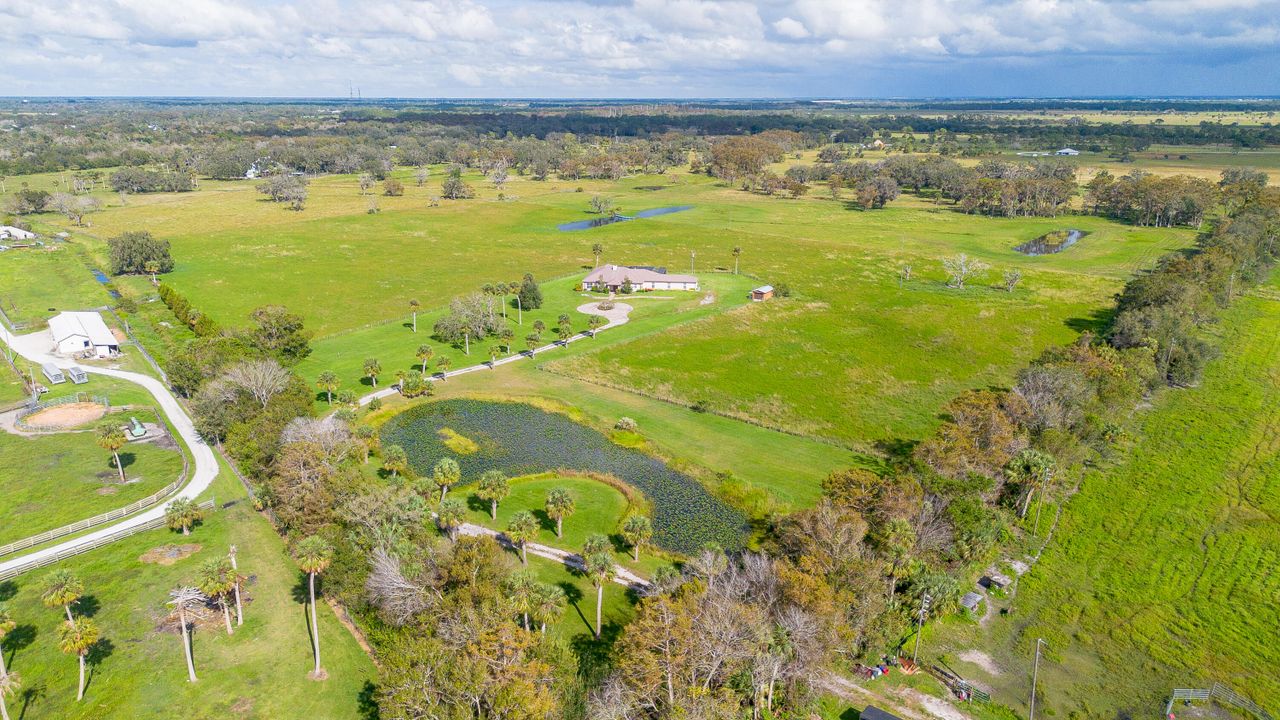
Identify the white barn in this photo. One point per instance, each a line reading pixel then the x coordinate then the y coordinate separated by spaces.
pixel 610 278
pixel 9 232
pixel 82 333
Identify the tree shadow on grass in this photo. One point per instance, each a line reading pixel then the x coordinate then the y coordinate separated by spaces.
pixel 100 651
pixel 301 595
pixel 475 503
pixel 32 694
pixel 595 657
pixel 20 637
pixel 8 589
pixel 1097 321
pixel 87 606
pixel 126 460
pixel 544 521
pixel 368 701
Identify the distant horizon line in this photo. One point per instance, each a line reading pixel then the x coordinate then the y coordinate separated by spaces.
pixel 671 99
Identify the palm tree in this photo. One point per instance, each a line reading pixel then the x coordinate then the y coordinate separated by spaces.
pixel 504 290
pixel 424 354
pixel 520 530
pixel 737 252
pixel 451 516
pixel 466 340
pixel 395 460
pixel 521 587
pixel 238 578
pixel 597 250
pixel 600 568
pixel 413 307
pixel 594 322
pixel 61 589
pixel 494 352
pixel 636 531
pixel 10 684
pixel 444 363
pixel 182 514
pixel 7 624
pixel 111 438
pixel 183 599
pixel 314 555
pixel 506 335
pixel 548 603
pixel 533 340
pixel 559 506
pixel 328 382
pixel 371 369
pixel 445 474
pixel 493 487
pixel 217 580
pixel 78 637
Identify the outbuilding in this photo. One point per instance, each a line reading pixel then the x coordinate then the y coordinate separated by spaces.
pixel 762 293
pixel 1068 152
pixel 874 713
pixel 9 232
pixel 77 375
pixel 82 333
pixel 970 601
pixel 53 373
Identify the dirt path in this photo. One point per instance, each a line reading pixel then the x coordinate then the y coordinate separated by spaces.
pixel 622 576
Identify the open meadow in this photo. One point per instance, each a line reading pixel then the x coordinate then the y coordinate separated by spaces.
pixel 1162 572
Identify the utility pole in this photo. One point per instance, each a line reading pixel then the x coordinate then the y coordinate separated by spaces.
pixel 692 255
pixel 924 608
pixel 1035 673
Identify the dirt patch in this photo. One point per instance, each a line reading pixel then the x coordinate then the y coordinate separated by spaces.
pixel 242 707
pixel 168 554
pixel 982 660
pixel 108 490
pixel 934 706
pixel 66 416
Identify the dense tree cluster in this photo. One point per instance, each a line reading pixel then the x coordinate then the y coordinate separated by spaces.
pixel 136 252
pixel 140 180
pixel 1145 199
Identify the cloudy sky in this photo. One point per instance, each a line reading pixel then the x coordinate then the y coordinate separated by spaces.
pixel 640 48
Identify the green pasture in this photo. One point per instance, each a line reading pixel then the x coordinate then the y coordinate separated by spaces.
pixel 36 283
pixel 137 671
pixel 577 623
pixel 1162 571
pixel 50 480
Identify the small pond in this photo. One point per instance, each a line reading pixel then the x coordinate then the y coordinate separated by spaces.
pixel 611 219
pixel 520 439
pixel 1050 243
pixel 102 278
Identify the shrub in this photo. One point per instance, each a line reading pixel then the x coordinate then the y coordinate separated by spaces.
pixel 626 424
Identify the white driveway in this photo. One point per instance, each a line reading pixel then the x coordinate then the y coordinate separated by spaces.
pixel 36 347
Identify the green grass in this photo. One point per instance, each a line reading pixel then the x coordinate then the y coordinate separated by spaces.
pixel 12 389
pixel 36 283
pixel 1161 574
pixel 599 508
pixel 51 480
pixel 579 618
pixel 261 671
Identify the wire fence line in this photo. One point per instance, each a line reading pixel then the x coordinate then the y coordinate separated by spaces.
pixel 207 505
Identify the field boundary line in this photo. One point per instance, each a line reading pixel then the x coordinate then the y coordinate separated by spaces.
pixel 100 542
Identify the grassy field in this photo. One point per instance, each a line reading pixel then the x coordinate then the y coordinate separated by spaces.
pixel 1162 573
pixel 51 480
pixel 138 670
pixel 36 283
pixel 598 508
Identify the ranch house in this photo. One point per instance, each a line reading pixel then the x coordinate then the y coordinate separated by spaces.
pixel 611 278
pixel 82 333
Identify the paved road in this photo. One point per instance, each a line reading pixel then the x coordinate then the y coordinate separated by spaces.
pixel 617 316
pixel 36 347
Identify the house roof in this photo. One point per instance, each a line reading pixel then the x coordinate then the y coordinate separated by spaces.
pixel 88 325
pixel 764 289
pixel 615 274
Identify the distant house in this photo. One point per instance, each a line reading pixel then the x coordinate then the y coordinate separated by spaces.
pixel 9 232
pixel 1067 151
pixel 82 333
pixel 611 278
pixel 762 293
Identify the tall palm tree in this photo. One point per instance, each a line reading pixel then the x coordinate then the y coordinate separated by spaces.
pixel 548 604
pixel 184 599
pixel 445 474
pixel 216 580
pixel 600 568
pixel 395 460
pixel 520 530
pixel 737 252
pixel 61 589
pixel 450 516
pixel 493 487
pixel 235 573
pixel 413 307
pixel 182 514
pixel 521 589
pixel 329 383
pixel 597 250
pixel 7 624
pixel 506 335
pixel 10 684
pixel 314 554
pixel 111 438
pixel 504 290
pixel 152 267
pixel 560 505
pixel 637 530
pixel 424 354
pixel 371 369
pixel 443 363
pixel 78 637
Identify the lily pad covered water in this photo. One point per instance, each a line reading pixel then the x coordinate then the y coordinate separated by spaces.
pixel 520 439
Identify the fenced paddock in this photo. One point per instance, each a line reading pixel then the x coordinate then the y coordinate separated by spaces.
pixel 1219 693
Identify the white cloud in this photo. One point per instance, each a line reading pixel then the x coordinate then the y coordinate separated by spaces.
pixel 792 28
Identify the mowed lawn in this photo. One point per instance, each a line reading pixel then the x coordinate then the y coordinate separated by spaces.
pixel 1163 572
pixel 37 283
pixel 851 357
pixel 51 480
pixel 138 670
pixel 599 508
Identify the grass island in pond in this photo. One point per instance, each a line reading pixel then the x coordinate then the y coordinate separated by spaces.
pixel 520 439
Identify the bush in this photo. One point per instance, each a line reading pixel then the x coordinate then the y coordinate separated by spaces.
pixel 781 290
pixel 626 424
pixel 374 405
pixel 392 187
pixel 131 251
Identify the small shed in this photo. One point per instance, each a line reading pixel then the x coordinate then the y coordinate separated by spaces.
pixel 762 293
pixel 970 601
pixel 77 375
pixel 9 232
pixel 54 373
pixel 874 713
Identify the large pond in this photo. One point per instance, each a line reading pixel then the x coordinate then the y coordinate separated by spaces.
pixel 611 219
pixel 1050 243
pixel 520 439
